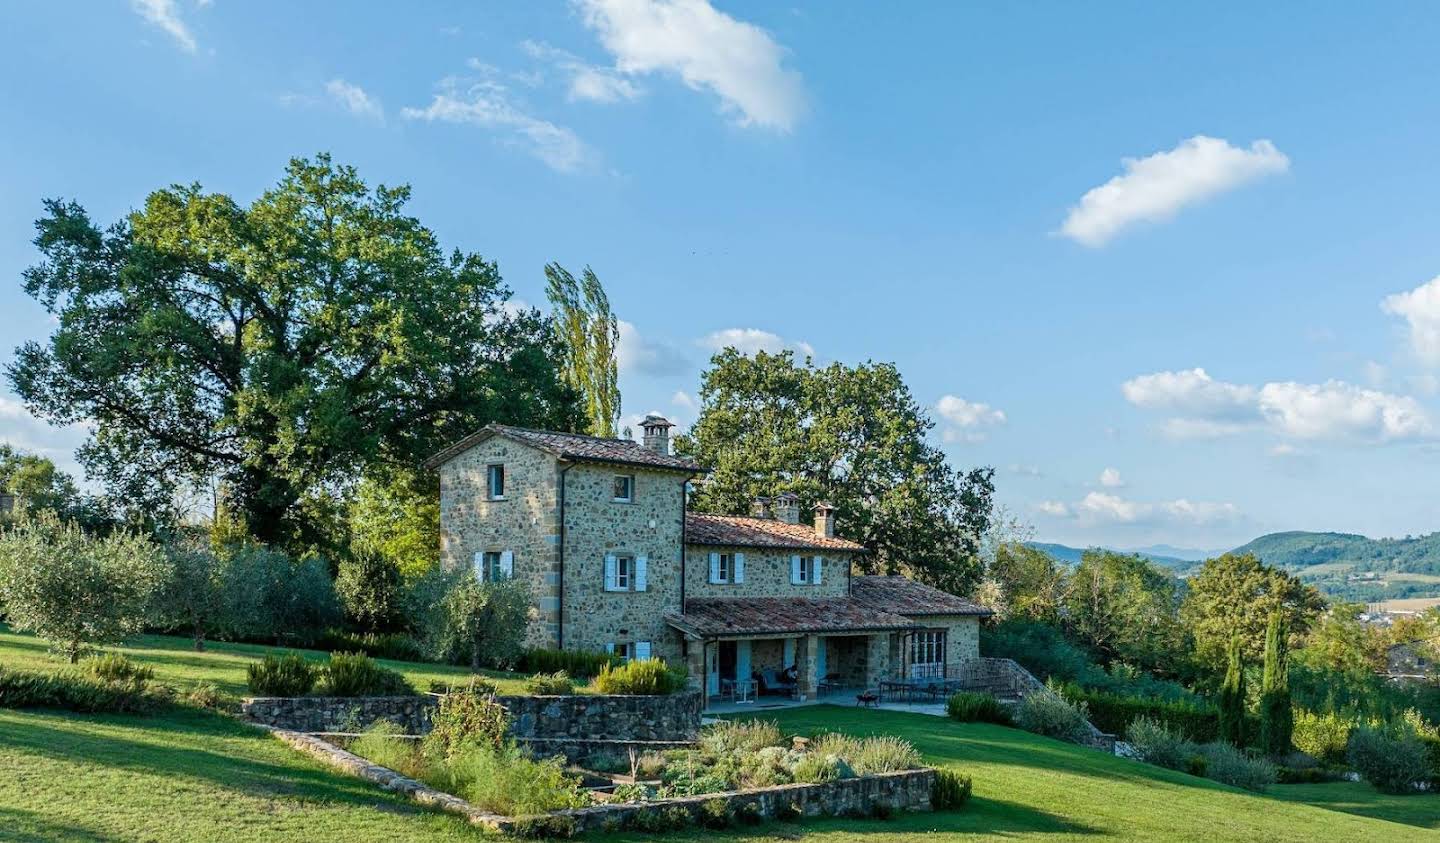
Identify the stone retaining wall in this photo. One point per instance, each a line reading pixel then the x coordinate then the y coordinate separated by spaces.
pixel 574 719
pixel 908 790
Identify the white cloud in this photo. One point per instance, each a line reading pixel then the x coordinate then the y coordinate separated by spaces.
pixel 636 354
pixel 1105 509
pixel 21 430
pixel 1191 393
pixel 588 82
pixel 966 421
pixel 1020 470
pixel 707 49
pixel 1282 450
pixel 1110 478
pixel 1338 410
pixel 683 399
pixel 1205 408
pixel 166 15
pixel 354 99
pixel 1155 188
pixel 1420 308
pixel 486 103
pixel 748 341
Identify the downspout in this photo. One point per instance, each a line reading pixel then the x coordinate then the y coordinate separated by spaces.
pixel 684 506
pixel 560 580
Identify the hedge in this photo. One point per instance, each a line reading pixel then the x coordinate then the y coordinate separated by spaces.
pixel 1113 713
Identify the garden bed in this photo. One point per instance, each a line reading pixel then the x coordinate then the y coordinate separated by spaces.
pixel 872 795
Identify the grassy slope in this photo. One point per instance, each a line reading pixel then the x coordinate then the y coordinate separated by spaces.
pixel 176 662
pixel 191 775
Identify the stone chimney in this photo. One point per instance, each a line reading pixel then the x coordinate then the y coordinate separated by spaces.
pixel 760 508
pixel 787 507
pixel 657 434
pixel 824 520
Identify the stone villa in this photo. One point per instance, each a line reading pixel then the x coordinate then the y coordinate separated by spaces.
pixel 600 531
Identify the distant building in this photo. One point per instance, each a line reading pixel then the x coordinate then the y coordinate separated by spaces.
pixel 1412 661
pixel 8 502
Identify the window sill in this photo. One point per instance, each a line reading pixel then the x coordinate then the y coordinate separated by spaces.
pixel 622 500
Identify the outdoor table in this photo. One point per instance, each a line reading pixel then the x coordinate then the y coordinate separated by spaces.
pixel 741 691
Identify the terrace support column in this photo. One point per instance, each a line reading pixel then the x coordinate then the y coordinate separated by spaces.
pixel 877 659
pixel 807 666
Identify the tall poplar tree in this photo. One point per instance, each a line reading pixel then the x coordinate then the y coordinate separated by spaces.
pixel 590 336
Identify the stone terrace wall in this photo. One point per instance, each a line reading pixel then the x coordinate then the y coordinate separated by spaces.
pixel 579 718
pixel 908 790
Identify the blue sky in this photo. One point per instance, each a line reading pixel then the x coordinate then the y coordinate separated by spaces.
pixel 1168 269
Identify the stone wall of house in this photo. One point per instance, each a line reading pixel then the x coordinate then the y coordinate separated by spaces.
pixel 596 526
pixel 962 638
pixel 579 717
pixel 526 522
pixel 767 574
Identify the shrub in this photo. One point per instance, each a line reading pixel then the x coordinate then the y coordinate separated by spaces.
pixel 117 667
pixel 379 645
pixel 1325 736
pixel 1113 713
pixel 730 736
pixel 581 664
pixel 554 684
pixel 1224 763
pixel 275 597
pixel 207 695
pixel 768 767
pixel 630 793
pixel 971 707
pixel 289 675
pixel 384 743
pixel 814 768
pixel 950 791
pixel 836 744
pixel 1158 744
pixel 884 754
pixel 74 590
pixel 715 813
pixel 465 720
pixel 1429 737
pixel 357 675
pixel 76 691
pixel 474 685
pixel 504 780
pixel 640 677
pixel 194 596
pixel 544 828
pixel 649 765
pixel 1053 716
pixel 1393 760
pixel 607 762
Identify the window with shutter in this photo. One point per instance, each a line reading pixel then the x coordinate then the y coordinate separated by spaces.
pixel 507 563
pixel 739 568
pixel 642 564
pixel 495 482
pixel 815 574
pixel 796 570
pixel 642 649
pixel 714 567
pixel 610 573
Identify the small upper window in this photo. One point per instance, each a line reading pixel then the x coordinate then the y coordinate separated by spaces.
pixel 727 567
pixel 624 488
pixel 495 482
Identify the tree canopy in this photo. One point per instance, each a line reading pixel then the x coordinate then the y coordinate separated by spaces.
pixel 283 348
pixel 852 436
pixel 1234 595
pixel 589 335
pixel 1125 607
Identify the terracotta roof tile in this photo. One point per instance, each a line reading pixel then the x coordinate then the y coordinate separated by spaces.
pixel 773 615
pixel 904 596
pixel 571 446
pixel 739 531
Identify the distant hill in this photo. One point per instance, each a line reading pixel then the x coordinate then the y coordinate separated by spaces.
pixel 1071 555
pixel 1355 567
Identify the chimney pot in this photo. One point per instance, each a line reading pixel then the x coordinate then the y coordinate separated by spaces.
pixel 760 508
pixel 787 507
pixel 824 520
pixel 657 434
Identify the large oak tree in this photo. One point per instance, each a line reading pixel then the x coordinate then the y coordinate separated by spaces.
pixel 284 348
pixel 853 437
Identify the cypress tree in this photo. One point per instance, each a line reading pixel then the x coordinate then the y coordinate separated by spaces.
pixel 1277 720
pixel 1232 696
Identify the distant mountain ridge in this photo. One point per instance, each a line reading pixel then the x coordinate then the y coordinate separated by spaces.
pixel 1346 566
pixel 1071 555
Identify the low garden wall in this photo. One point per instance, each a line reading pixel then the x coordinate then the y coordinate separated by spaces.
pixel 906 790
pixel 555 724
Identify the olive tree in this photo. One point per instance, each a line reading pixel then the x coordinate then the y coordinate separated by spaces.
pixel 75 590
pixel 467 620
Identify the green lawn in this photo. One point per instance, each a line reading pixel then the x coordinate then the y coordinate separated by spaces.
pixel 191 775
pixel 176 662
